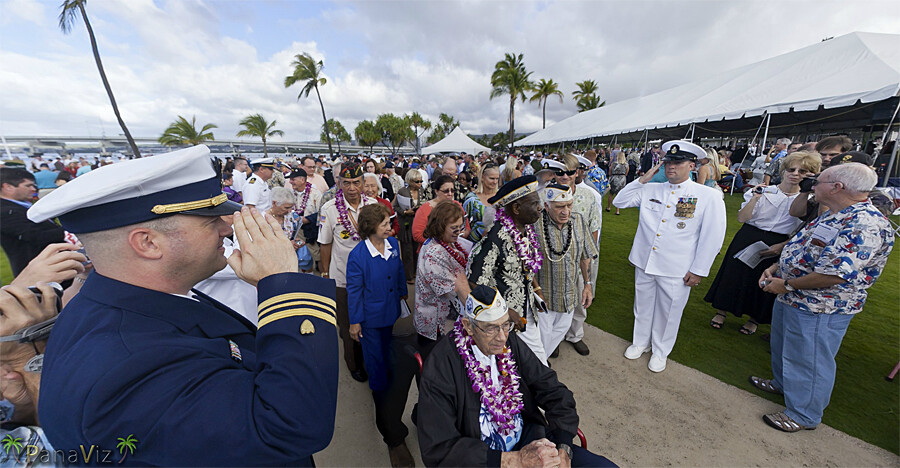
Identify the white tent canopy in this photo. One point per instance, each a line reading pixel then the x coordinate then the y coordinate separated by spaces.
pixel 857 67
pixel 456 142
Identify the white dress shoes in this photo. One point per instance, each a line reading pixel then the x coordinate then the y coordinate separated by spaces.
pixel 657 364
pixel 635 351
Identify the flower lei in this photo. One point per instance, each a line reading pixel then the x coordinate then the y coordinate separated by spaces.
pixel 344 215
pixel 503 404
pixel 527 248
pixel 305 198
pixel 456 251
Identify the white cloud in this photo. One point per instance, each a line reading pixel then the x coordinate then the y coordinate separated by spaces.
pixel 179 58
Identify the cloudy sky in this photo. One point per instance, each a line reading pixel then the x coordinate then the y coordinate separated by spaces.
pixel 222 60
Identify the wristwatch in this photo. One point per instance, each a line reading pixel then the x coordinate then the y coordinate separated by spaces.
pixel 789 287
pixel 565 448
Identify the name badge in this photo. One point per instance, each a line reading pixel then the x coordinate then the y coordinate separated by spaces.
pixel 823 235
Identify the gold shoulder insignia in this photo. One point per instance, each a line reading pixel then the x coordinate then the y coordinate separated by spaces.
pixel 307 328
pixel 251 180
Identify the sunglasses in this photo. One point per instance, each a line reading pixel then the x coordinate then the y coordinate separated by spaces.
pixel 416 181
pixel 447 192
pixel 560 173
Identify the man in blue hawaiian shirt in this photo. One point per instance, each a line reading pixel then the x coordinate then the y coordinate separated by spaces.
pixel 821 281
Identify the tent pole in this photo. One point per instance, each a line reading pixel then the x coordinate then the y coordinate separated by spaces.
pixel 887 130
pixel 766 134
pixel 890 167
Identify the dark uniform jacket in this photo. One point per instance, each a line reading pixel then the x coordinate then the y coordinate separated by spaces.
pixel 194 382
pixel 22 239
pixel 449 430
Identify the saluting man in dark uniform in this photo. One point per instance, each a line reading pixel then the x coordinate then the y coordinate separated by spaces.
pixel 139 355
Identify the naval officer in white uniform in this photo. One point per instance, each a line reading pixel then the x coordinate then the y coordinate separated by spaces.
pixel 256 190
pixel 679 234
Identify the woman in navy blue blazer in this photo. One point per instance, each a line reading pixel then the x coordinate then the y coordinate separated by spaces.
pixel 376 283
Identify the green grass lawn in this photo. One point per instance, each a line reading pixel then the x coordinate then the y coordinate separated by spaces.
pixel 6 275
pixel 863 404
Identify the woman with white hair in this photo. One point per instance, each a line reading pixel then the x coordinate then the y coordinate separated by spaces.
pixel 372 188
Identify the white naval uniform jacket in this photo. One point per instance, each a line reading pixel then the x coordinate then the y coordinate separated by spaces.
pixel 256 192
pixel 665 245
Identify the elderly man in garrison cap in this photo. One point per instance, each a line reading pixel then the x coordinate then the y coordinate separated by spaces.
pixel 480 395
pixel 680 232
pixel 508 256
pixel 568 250
pixel 256 190
pixel 338 235
pixel 139 353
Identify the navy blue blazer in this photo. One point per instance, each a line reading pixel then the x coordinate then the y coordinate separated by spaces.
pixel 194 382
pixel 375 286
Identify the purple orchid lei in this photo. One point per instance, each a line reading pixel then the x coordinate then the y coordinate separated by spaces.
pixel 504 404
pixel 527 248
pixel 305 199
pixel 344 215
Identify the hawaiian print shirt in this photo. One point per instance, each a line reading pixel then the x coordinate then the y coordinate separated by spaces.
pixel 596 177
pixel 494 262
pixel 853 244
pixel 586 205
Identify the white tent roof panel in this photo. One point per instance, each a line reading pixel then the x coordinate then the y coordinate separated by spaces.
pixel 456 142
pixel 836 73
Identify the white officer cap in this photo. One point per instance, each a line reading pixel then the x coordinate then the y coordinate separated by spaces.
pixel 553 164
pixel 680 150
pixel 186 181
pixel 263 162
pixel 583 161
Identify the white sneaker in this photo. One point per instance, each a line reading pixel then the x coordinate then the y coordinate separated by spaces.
pixel 657 364
pixel 635 351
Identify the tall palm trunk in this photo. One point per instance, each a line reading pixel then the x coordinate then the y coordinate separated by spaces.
pixel 265 150
pixel 327 133
pixel 545 114
pixel 112 99
pixel 512 121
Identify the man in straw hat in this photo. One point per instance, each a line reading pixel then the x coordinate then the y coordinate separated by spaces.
pixel 140 354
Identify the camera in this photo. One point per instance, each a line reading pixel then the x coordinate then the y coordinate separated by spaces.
pixel 806 184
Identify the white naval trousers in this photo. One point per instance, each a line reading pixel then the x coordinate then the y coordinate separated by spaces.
pixel 532 337
pixel 553 328
pixel 658 304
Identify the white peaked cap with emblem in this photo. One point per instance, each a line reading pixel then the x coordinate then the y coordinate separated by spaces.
pixel 186 181
pixel 680 150
pixel 583 161
pixel 266 162
pixel 553 164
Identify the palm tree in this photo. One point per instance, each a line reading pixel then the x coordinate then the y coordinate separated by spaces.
pixel 591 101
pixel 542 90
pixel 586 97
pixel 336 130
pixel 70 10
pixel 9 443
pixel 256 126
pixel 446 123
pixel 182 132
pixel 417 121
pixel 128 444
pixel 510 77
pixel 308 70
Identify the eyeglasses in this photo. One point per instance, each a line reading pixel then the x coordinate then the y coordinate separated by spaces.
pixel 830 154
pixel 560 173
pixel 820 181
pixel 416 181
pixel 491 330
pixel 798 170
pixel 456 230
pixel 447 191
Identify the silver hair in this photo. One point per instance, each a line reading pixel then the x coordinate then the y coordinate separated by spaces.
pixel 855 177
pixel 369 175
pixel 282 195
pixel 783 141
pixel 411 174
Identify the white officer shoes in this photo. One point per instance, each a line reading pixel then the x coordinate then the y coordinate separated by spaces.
pixel 657 363
pixel 635 351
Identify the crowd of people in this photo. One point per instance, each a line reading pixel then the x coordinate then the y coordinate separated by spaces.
pixel 501 251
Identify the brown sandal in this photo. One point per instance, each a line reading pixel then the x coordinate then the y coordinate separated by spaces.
pixel 718 325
